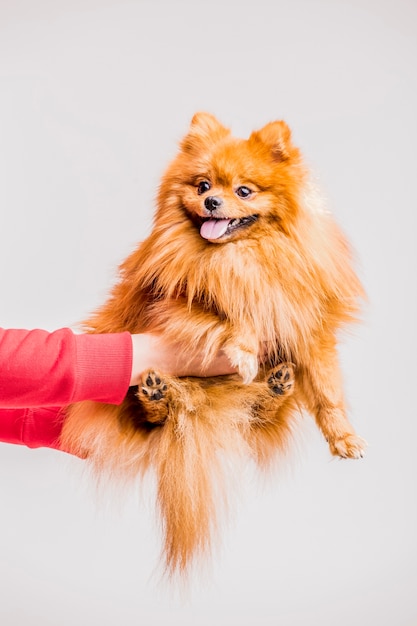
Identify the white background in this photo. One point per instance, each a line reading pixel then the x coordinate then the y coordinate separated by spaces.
pixel 94 96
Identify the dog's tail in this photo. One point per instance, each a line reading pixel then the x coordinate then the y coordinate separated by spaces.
pixel 196 457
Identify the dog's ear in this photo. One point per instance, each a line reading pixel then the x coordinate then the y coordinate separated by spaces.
pixel 277 137
pixel 204 128
pixel 206 123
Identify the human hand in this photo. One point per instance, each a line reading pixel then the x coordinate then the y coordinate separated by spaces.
pixel 153 352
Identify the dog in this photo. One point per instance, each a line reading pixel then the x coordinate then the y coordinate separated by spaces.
pixel 243 257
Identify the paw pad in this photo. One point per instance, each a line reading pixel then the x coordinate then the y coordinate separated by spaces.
pixel 281 380
pixel 153 387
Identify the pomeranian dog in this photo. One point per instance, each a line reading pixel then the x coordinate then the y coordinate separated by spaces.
pixel 244 258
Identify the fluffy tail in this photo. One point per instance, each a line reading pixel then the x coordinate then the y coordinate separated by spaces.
pixel 196 456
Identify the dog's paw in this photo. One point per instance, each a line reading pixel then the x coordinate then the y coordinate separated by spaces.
pixel 281 380
pixel 348 447
pixel 152 387
pixel 248 368
pixel 244 361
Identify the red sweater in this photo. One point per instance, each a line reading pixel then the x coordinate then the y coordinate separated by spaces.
pixel 42 372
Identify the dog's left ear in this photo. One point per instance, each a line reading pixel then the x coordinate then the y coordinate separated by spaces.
pixel 204 128
pixel 277 137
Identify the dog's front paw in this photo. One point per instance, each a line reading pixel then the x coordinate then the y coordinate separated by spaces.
pixel 348 447
pixel 247 368
pixel 244 361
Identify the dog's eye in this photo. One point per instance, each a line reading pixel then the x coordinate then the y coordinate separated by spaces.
pixel 243 192
pixel 203 186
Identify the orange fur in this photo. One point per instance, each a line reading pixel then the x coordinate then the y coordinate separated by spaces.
pixel 281 285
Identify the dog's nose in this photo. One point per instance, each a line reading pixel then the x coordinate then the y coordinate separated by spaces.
pixel 212 203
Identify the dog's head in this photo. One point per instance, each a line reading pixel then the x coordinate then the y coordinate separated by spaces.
pixel 230 188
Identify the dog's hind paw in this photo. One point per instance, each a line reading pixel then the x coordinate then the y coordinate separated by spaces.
pixel 152 393
pixel 152 387
pixel 281 380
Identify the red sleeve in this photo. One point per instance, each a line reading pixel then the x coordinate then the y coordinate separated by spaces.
pixel 34 428
pixel 40 369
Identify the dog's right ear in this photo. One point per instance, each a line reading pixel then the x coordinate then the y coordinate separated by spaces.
pixel 204 128
pixel 277 137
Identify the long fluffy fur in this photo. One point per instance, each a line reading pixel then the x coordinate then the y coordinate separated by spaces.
pixel 280 287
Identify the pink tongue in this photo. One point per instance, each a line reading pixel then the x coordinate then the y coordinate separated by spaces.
pixel 213 229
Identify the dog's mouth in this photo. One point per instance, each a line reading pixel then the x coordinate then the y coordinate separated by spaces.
pixel 214 228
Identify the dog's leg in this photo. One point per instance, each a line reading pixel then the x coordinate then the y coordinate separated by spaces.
pixel 322 385
pixel 163 396
pixel 272 414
